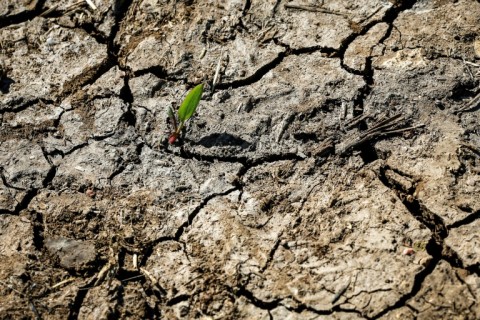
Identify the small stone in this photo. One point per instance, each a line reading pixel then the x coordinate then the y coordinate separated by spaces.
pixel 73 254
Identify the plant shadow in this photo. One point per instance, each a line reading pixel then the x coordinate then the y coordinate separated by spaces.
pixel 222 140
pixel 5 84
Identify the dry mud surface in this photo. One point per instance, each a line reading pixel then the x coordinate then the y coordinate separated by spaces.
pixel 331 171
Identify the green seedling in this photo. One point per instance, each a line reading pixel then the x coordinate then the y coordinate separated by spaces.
pixel 185 112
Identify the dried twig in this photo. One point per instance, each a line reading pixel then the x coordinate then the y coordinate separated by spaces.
pixel 74 6
pixel 381 128
pixel 69 8
pixel 216 77
pixel 102 274
pixel 312 8
pixel 49 10
pixel 91 4
pixel 61 283
pixel 353 122
pixel 153 281
pixel 471 63
pixel 471 148
pixel 470 106
pixel 383 124
pixel 402 130
pixel 472 77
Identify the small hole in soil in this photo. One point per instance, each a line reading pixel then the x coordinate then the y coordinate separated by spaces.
pixel 305 136
pixel 439 105
pixel 368 153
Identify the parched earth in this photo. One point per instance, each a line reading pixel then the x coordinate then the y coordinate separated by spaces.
pixel 331 170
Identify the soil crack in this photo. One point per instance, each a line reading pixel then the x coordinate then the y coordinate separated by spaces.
pixel 23 16
pixel 436 247
pixel 467 220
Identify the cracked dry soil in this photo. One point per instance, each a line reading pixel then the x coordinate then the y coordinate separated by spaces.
pixel 331 172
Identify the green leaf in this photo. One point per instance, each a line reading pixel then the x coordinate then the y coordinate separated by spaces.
pixel 189 105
